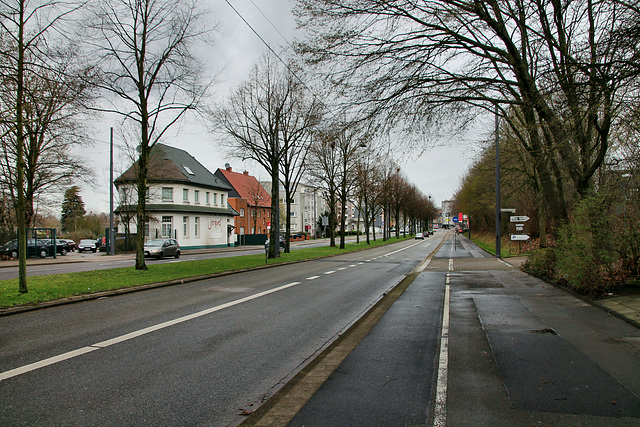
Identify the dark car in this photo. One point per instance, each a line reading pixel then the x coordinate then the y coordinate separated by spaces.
pixel 62 247
pixel 160 248
pixel 72 244
pixel 34 248
pixel 88 245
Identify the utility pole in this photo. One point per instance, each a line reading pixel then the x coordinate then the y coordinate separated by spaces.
pixel 112 237
pixel 498 213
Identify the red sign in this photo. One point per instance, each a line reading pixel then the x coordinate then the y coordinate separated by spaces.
pixel 460 217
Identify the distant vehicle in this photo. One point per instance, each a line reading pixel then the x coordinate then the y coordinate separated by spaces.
pixel 87 245
pixel 34 248
pixel 420 236
pixel 430 232
pixel 72 244
pixel 160 248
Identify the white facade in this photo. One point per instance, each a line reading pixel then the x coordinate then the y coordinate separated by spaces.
pixel 307 206
pixel 197 217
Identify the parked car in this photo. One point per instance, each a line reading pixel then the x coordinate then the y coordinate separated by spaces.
pixel 72 245
pixel 160 248
pixel 62 247
pixel 34 248
pixel 87 245
pixel 430 232
pixel 420 236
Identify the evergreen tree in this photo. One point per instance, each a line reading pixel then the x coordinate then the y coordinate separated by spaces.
pixel 72 209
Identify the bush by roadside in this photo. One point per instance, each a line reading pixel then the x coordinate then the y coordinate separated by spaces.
pixel 592 255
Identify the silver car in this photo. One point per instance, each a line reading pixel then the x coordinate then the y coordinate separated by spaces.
pixel 160 248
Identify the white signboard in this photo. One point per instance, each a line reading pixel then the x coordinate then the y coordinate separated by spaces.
pixel 519 218
pixel 520 237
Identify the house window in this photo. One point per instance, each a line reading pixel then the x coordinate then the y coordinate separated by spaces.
pixel 222 199
pixel 241 212
pixel 215 199
pixel 147 196
pixel 196 222
pixel 258 213
pixel 167 194
pixel 185 226
pixel 207 197
pixel 167 226
pixel 146 229
pixel 196 196
pixel 185 195
pixel 293 214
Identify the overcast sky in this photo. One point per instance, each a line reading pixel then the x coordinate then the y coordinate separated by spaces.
pixel 436 172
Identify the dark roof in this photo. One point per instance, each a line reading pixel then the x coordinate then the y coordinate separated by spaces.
pixel 173 165
pixel 180 208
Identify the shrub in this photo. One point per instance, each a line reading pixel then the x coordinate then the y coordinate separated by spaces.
pixel 587 248
pixel 541 263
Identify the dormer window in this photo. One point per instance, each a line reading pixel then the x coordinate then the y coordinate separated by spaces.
pixel 189 171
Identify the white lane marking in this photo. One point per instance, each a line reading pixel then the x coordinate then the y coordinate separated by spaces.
pixel 135 334
pixel 329 272
pixel 400 250
pixel 440 407
pixel 352 265
pixel 312 277
pixel 450 264
pixel 342 268
pixel 360 263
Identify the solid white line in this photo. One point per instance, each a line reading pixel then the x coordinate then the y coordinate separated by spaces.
pixel 312 277
pixel 440 406
pixel 135 334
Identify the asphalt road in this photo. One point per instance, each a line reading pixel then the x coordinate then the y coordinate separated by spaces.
pixel 471 341
pixel 197 354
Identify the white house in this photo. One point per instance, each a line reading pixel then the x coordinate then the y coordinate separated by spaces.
pixel 184 201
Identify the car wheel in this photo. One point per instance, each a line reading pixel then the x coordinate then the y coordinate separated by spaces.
pixel 177 254
pixel 63 252
pixel 93 250
pixel 14 254
pixel 43 253
pixel 160 255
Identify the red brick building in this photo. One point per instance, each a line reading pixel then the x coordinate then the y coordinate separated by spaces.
pixel 249 199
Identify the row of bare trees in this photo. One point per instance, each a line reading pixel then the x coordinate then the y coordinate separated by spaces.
pixel 276 120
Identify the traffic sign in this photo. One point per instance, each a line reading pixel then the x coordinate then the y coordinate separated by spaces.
pixel 510 210
pixel 519 237
pixel 454 219
pixel 522 218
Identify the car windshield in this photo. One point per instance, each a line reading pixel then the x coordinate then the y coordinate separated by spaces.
pixel 156 242
pixel 87 242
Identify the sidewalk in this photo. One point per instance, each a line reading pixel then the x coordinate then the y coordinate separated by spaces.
pixel 626 307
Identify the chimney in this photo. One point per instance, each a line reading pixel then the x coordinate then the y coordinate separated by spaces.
pixel 246 173
pixel 227 166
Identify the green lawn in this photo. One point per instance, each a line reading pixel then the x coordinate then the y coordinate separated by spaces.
pixel 56 286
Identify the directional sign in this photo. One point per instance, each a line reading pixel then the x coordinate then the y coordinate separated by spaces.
pixel 508 210
pixel 519 218
pixel 519 237
pixel 519 227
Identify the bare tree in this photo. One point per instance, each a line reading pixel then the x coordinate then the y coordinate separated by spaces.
pixel 28 38
pixel 300 118
pixel 145 49
pixel 566 67
pixel 324 171
pixel 265 121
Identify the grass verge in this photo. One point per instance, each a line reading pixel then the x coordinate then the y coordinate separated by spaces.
pixel 58 286
pixel 508 248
